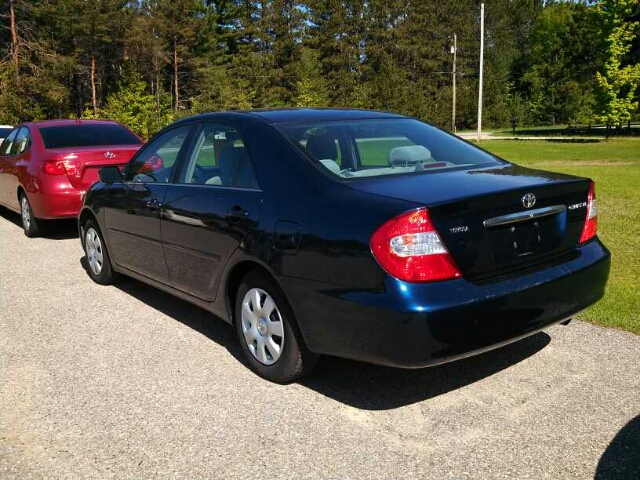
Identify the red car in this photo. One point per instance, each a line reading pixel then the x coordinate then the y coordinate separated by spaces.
pixel 46 167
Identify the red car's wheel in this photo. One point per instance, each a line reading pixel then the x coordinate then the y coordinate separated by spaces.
pixel 30 224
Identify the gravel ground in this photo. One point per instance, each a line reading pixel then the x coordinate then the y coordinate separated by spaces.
pixel 128 382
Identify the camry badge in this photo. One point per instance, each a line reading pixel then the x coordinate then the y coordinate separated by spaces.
pixel 109 154
pixel 528 200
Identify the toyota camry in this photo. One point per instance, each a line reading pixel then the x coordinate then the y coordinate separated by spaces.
pixel 359 234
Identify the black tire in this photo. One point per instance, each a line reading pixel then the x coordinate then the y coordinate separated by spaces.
pixel 295 360
pixel 105 275
pixel 31 225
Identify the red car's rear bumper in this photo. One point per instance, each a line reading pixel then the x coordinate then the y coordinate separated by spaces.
pixel 56 201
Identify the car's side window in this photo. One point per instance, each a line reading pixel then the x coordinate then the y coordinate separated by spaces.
pixel 5 148
pixel 156 161
pixel 21 142
pixel 219 157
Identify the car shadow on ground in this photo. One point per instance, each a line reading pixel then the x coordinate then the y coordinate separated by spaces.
pixel 52 229
pixel 359 385
pixel 621 459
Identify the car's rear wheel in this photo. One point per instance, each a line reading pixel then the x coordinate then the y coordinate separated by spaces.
pixel 268 332
pixel 31 226
pixel 98 262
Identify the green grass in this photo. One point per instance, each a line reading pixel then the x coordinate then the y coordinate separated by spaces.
pixel 615 167
pixel 374 151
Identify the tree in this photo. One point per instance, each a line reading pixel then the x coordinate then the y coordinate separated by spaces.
pixel 618 80
pixel 557 67
pixel 134 106
pixel 176 22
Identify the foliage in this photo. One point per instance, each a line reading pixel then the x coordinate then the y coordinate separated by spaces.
pixel 135 107
pixel 203 55
pixel 618 81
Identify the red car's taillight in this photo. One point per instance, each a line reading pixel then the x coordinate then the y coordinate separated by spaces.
pixel 591 221
pixel 55 167
pixel 409 248
pixel 62 167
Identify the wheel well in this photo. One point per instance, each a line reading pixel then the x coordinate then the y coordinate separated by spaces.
pixel 86 215
pixel 233 282
pixel 20 191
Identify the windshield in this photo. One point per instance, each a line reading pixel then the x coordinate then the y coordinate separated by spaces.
pixel 87 135
pixel 371 148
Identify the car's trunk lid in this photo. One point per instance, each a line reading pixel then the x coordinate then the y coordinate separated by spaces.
pixel 488 218
pixel 83 164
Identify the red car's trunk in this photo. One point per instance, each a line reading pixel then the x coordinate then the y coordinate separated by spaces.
pixel 82 164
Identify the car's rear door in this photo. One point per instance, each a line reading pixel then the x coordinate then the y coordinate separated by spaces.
pixel 132 214
pixel 209 209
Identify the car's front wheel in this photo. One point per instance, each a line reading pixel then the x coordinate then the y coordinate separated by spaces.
pixel 268 333
pixel 30 224
pixel 98 261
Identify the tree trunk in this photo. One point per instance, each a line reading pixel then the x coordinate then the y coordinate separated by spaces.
pixel 94 97
pixel 14 38
pixel 175 75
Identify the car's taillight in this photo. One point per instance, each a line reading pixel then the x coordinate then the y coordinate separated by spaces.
pixel 591 221
pixel 62 167
pixel 55 167
pixel 409 248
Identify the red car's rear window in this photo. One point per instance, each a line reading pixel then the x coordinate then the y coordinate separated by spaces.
pixel 65 136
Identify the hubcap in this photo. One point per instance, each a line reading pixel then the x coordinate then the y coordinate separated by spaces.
pixel 93 247
pixel 262 326
pixel 26 213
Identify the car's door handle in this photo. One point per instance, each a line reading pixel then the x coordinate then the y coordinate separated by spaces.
pixel 237 213
pixel 154 204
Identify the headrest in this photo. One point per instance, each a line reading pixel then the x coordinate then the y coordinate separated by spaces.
pixel 228 163
pixel 322 147
pixel 409 155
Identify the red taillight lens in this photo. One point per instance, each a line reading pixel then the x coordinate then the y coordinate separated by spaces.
pixel 54 168
pixel 409 248
pixel 591 221
pixel 62 167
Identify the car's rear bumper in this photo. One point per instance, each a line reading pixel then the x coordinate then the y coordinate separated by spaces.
pixel 57 204
pixel 415 325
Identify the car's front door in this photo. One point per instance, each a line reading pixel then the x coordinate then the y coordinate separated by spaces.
pixel 17 167
pixel 135 206
pixel 210 208
pixel 6 165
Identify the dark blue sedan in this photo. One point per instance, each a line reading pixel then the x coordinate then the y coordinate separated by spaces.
pixel 359 234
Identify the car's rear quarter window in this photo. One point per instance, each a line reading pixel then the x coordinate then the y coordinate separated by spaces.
pixel 65 136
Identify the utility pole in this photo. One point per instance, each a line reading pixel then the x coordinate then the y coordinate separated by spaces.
pixel 454 50
pixel 481 68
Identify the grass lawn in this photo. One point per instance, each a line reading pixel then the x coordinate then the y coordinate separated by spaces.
pixel 615 167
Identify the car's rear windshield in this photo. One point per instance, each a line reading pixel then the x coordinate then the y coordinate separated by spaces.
pixel 376 147
pixel 64 136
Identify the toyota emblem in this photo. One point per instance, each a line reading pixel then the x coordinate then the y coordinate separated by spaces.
pixel 528 200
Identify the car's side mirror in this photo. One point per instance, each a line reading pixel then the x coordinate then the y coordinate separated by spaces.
pixel 110 175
